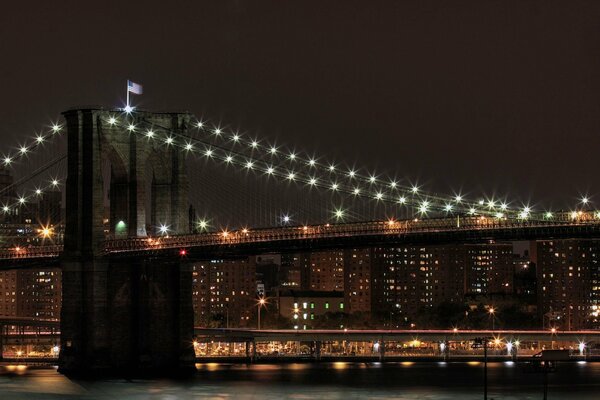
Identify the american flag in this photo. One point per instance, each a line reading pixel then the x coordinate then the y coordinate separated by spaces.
pixel 134 88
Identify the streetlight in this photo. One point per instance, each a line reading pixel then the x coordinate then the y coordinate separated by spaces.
pixel 261 302
pixel 492 311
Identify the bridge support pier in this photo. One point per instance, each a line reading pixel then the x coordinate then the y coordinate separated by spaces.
pixel 127 317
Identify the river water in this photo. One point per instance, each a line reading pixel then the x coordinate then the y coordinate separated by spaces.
pixel 407 380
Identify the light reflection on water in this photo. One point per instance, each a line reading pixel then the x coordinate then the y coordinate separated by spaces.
pixel 347 380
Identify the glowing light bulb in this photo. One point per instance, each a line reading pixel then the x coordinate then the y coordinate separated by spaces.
pixel 402 200
pixel 448 207
pixel 202 224
pixel 372 179
pixel 199 124
pixel 481 202
pixel 415 189
pixel 56 128
pixel 379 196
pixel 218 132
pixel 270 170
pixel 23 150
pixel 286 218
pixel 39 139
pixel 291 176
pixel 22 200
pixel 311 162
pixel 228 159
pixel 169 140
pixel 254 144
pixel 351 174
pixel 312 181
pixel 472 211
pixel 332 168
pixel 38 191
pixel 128 109
pixel 491 204
pixel 585 200
pixel 189 146
pixel 292 156
pixel 393 184
pixel 236 138
pixel 150 134
pixel 548 215
pixel 334 186
pixel 339 214
pixel 131 128
pixel 356 191
pixel 249 165
pixel 458 198
pixel 209 153
pixel 112 120
pixel 55 182
pixel 163 229
pixel 273 150
pixel 503 206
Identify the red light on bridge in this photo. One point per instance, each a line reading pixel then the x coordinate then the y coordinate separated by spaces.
pixel 183 252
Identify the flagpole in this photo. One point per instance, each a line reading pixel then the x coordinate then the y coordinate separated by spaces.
pixel 127 84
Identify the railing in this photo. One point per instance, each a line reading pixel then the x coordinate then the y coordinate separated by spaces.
pixel 28 252
pixel 403 227
pixel 325 231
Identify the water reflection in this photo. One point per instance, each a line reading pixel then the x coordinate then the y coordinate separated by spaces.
pixel 413 380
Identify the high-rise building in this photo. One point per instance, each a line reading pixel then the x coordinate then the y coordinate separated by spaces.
pixel 568 276
pixel 224 292
pixel 294 270
pixel 326 272
pixel 489 268
pixel 357 280
pixel 8 293
pixel 406 279
pixel 409 279
pixel 31 293
pixel 39 293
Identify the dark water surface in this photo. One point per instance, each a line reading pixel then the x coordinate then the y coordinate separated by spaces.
pixel 317 381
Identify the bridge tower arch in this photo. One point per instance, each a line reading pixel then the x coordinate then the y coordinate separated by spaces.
pixel 123 314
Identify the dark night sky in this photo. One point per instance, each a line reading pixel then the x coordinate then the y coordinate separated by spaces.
pixel 488 96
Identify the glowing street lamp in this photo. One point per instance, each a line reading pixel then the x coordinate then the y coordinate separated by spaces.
pixel 492 312
pixel 260 304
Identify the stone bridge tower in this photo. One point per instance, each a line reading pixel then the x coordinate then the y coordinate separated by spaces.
pixel 123 314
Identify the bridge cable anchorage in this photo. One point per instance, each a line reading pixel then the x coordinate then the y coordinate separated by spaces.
pixel 419 201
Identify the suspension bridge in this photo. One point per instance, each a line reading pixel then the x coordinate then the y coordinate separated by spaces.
pixel 146 194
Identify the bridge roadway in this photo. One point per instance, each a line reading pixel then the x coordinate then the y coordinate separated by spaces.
pixel 457 229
